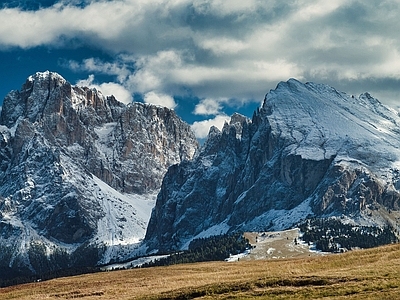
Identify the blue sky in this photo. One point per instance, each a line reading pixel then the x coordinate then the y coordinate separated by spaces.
pixel 204 58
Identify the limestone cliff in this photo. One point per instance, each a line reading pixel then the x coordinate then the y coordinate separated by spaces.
pixel 79 172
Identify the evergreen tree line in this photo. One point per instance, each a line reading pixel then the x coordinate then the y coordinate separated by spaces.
pixel 331 235
pixel 57 264
pixel 214 248
pixel 15 277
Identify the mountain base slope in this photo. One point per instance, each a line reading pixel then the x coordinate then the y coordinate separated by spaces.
pixel 372 273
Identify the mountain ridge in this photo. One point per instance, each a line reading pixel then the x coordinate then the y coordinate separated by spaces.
pixel 310 150
pixel 79 173
pixel 84 178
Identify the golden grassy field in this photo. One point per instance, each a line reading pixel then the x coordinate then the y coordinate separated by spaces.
pixel 362 274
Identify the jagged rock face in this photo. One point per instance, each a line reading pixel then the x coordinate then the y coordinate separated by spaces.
pixel 73 165
pixel 128 147
pixel 308 151
pixel 146 140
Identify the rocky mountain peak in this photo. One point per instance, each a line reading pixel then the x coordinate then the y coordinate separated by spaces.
pixel 310 150
pixel 237 122
pixel 79 172
pixel 33 98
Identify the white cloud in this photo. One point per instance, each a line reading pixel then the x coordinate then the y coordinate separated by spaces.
pixel 202 128
pixel 86 82
pixel 207 107
pixel 221 45
pixel 111 88
pixel 316 9
pixel 116 68
pixel 31 28
pixel 159 99
pixel 154 71
pixel 221 49
pixel 108 89
pixel 168 71
pixel 225 8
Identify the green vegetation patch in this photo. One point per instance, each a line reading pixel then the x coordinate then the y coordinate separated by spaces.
pixel 331 235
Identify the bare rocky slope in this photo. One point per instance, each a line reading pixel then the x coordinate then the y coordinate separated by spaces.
pixel 309 151
pixel 79 173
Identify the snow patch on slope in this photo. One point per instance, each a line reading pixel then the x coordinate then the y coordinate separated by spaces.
pixel 277 219
pixel 125 221
pixel 218 229
pixel 315 115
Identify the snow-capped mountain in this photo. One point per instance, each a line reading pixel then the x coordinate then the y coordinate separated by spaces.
pixel 79 173
pixel 310 150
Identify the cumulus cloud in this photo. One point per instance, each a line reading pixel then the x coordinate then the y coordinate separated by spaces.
pixel 116 68
pixel 159 99
pixel 154 72
pixel 223 49
pixel 31 28
pixel 208 107
pixel 201 128
pixel 108 89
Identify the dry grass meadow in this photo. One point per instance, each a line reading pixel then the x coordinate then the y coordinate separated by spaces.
pixel 361 274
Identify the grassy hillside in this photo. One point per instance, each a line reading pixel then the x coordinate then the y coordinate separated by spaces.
pixel 362 274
